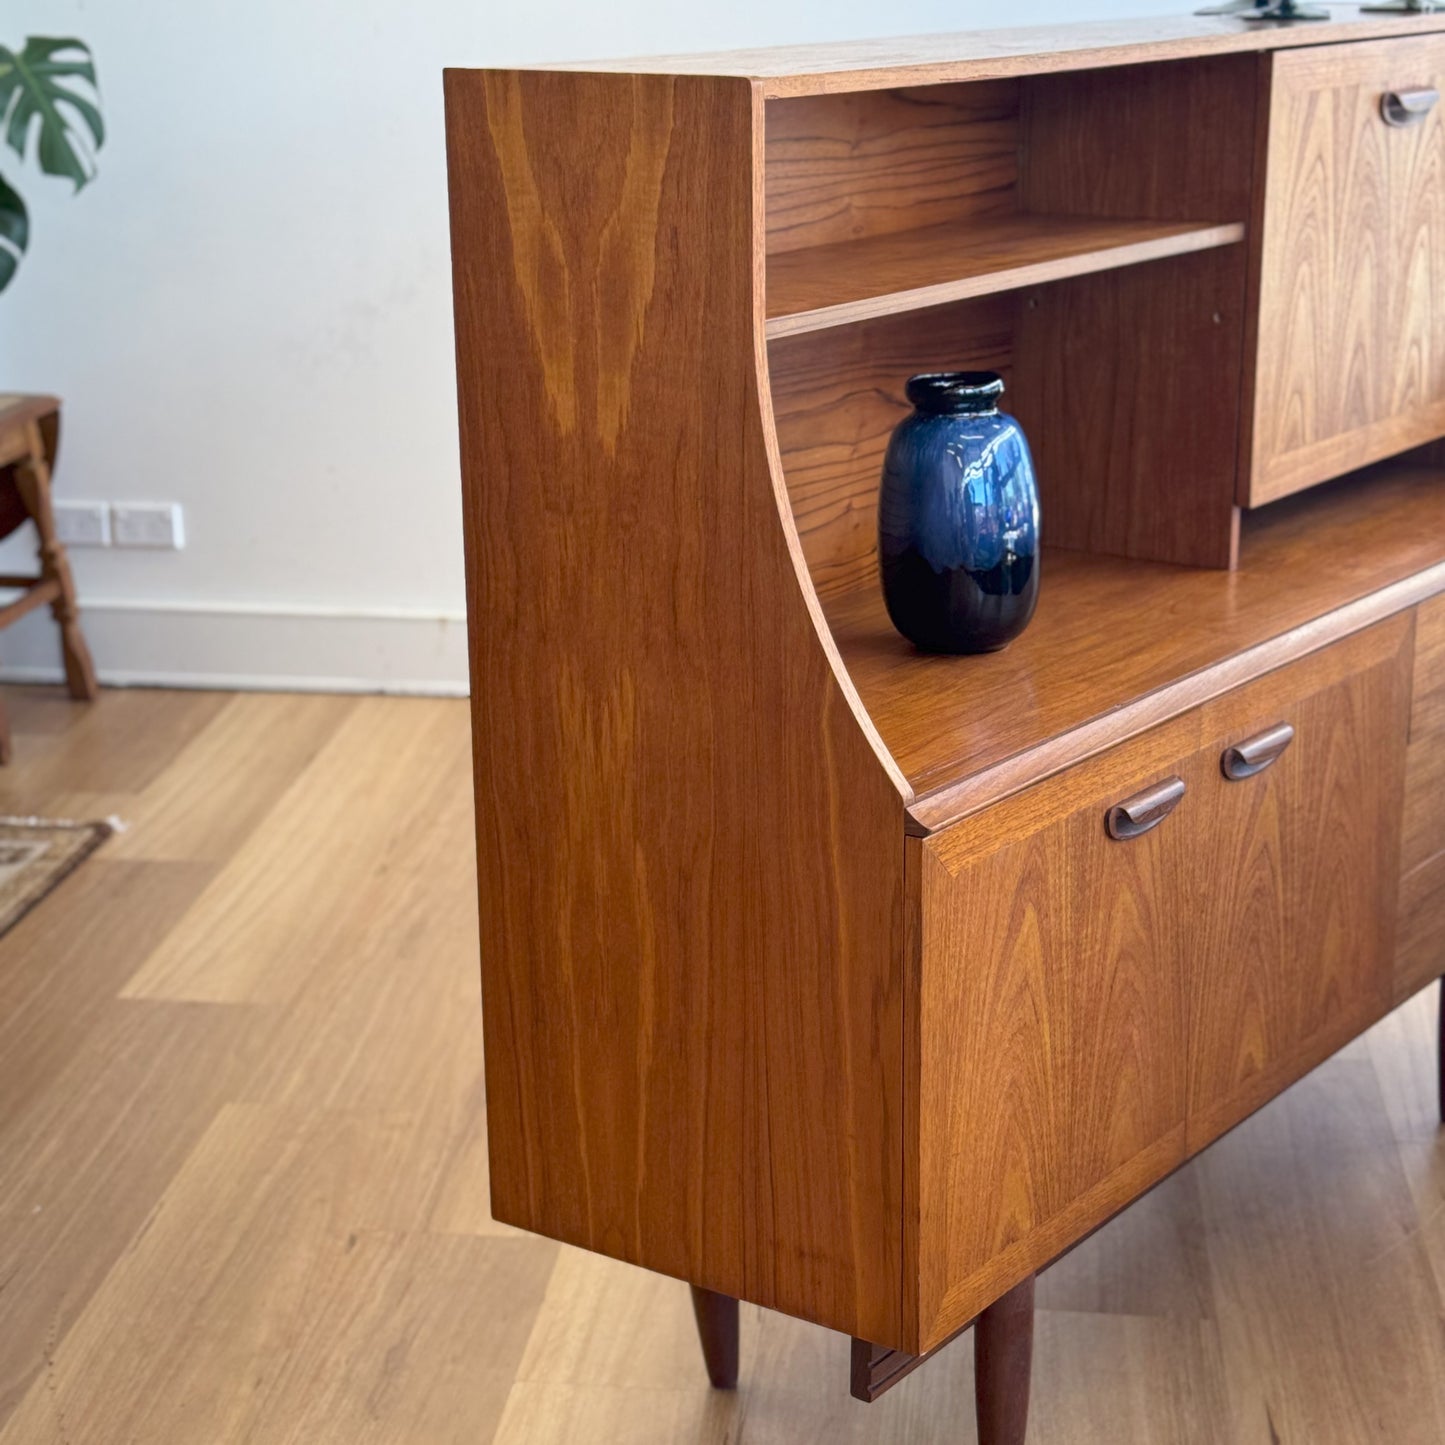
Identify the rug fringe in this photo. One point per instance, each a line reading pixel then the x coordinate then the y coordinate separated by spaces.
pixel 112 824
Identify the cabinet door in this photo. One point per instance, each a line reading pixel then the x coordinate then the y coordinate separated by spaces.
pixel 1350 361
pixel 1293 951
pixel 1085 1011
pixel 1049 1031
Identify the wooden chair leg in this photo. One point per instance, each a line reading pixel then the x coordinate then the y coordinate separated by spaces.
pixel 717 1328
pixel 1003 1355
pixel 32 477
pixel 1440 1052
pixel 5 745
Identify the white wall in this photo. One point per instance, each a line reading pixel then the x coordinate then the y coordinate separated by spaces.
pixel 249 311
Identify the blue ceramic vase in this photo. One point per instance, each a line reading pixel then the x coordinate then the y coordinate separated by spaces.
pixel 958 517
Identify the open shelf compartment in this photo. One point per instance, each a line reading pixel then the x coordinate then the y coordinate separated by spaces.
pixel 847 281
pixel 1044 228
pixel 886 201
pixel 1118 645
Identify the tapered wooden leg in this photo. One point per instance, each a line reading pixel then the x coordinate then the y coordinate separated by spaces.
pixel 32 477
pixel 1003 1355
pixel 717 1328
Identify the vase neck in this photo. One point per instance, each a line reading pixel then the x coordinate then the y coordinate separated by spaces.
pixel 956 393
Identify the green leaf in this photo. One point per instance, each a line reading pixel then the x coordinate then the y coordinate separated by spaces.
pixel 14 232
pixel 35 101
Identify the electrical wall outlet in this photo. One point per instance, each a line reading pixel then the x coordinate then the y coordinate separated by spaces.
pixel 83 524
pixel 147 524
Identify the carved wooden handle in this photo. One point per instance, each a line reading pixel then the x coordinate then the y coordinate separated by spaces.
pixel 1255 754
pixel 1144 811
pixel 1408 107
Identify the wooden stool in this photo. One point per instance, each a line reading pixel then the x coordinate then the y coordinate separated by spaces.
pixel 29 435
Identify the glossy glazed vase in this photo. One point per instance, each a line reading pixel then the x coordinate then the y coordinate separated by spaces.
pixel 958 517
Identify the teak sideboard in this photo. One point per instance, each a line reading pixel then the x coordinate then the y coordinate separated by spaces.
pixel 861 983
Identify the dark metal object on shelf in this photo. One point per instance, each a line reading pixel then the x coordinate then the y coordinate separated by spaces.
pixel 1289 10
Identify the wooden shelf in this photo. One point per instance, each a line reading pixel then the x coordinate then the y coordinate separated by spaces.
pixel 847 281
pixel 1117 646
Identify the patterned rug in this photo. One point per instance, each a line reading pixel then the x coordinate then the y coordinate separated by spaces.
pixel 35 855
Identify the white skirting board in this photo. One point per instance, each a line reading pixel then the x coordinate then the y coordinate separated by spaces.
pixel 251 647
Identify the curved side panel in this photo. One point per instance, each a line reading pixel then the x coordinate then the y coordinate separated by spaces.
pixel 809 591
pixel 789 522
pixel 689 857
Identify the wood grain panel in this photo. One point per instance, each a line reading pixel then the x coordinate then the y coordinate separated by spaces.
pixel 1420 944
pixel 1117 646
pixel 842 167
pixel 1137 456
pixel 1420 941
pixel 1423 827
pixel 1108 142
pixel 1424 822
pixel 1293 949
pixel 1427 720
pixel 1427 708
pixel 1050 1048
pixel 688 851
pixel 1145 464
pixel 837 395
pixel 1350 362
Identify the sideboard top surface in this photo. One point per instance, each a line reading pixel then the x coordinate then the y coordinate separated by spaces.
pixel 888 62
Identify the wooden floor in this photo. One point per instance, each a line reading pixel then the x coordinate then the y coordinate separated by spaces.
pixel 243 1185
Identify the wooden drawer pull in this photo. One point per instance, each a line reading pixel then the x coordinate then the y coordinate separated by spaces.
pixel 1144 810
pixel 1255 754
pixel 1408 107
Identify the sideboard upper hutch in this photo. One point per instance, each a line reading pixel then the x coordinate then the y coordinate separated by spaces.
pixel 862 983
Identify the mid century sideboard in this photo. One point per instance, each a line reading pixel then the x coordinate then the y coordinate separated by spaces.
pixel 861 983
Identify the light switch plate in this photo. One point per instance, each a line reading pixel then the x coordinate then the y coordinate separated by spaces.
pixel 82 524
pixel 147 524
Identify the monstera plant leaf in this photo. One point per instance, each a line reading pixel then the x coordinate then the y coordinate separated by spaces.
pixel 35 99
pixel 14 232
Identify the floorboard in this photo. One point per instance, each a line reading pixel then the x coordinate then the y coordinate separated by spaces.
pixel 243 1165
